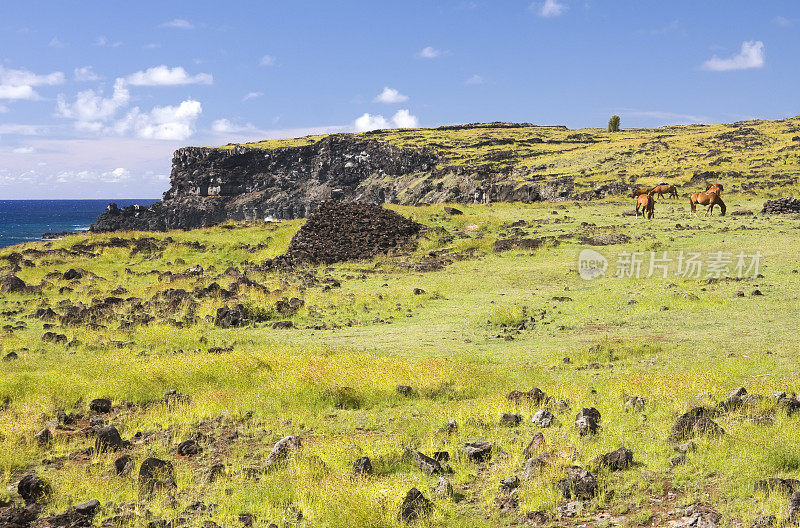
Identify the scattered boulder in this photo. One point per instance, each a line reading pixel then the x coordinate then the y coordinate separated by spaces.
pixel 510 419
pixel 73 274
pixel 543 418
pixel 287 308
pixel 107 439
pixel 452 211
pixel 478 451
pixel 693 423
pixel 10 356
pixel 425 463
pixel 781 206
pixel 43 437
pixel 702 516
pixel 33 489
pixel 415 506
pixel 448 428
pixel 577 483
pixel 123 465
pixel 405 390
pixel 535 445
pixel 535 396
pixel 617 460
pixel 443 488
pixel 12 284
pixel 362 467
pixel 587 421
pixel 677 461
pixel 189 448
pixel 281 450
pixel 793 509
pixel 634 403
pixel 100 405
pixel 152 475
pixel 77 516
pixel 533 466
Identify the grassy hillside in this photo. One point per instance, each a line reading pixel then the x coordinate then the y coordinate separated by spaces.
pixel 755 156
pixel 458 319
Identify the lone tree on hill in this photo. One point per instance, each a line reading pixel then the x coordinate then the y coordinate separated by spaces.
pixel 613 124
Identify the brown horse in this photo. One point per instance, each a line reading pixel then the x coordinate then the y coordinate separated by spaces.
pixel 715 187
pixel 709 198
pixel 647 203
pixel 662 188
pixel 639 192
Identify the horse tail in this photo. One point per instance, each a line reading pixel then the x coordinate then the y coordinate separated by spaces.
pixel 722 207
pixel 692 204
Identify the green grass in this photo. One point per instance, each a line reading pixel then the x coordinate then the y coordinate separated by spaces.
pixel 334 387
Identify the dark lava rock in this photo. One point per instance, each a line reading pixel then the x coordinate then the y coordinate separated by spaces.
pixel 33 489
pixel 52 337
pixel 453 211
pixel 72 274
pixel 425 463
pixel 763 521
pixel 123 464
pixel 511 419
pixel 15 517
pixel 587 421
pixel 793 509
pixel 533 466
pixel 12 284
pixel 781 206
pixel 153 471
pixel 282 449
pixel 443 488
pixel 535 396
pixel 677 461
pixel 617 460
pixel 478 451
pixel 418 291
pixel 100 405
pixel 287 308
pixel 282 325
pixel 107 439
pixel 535 445
pixel 543 418
pixel 415 506
pixel 405 390
pixel 232 316
pixel 10 356
pixel 189 448
pixel 43 437
pixel 509 484
pixel 786 486
pixel 77 516
pixel 339 232
pixel 362 467
pixel 577 483
pixel 693 423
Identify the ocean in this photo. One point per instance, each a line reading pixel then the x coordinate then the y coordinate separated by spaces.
pixel 27 220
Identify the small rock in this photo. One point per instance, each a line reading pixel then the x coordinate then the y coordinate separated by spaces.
pixel 685 448
pixel 578 483
pixel 509 484
pixel 443 488
pixel 634 403
pixel 533 466
pixel 152 474
pixel 510 419
pixel 100 405
pixel 793 509
pixel 418 291
pixel 43 437
pixel 535 445
pixel 405 390
pixel 123 465
pixel 10 356
pixel 617 460
pixel 677 461
pixel 478 451
pixel 362 467
pixel 763 521
pixel 281 450
pixel 415 506
pixel 425 463
pixel 107 439
pixel 587 421
pixel 189 448
pixel 449 428
pixel 756 293
pixel 33 489
pixel 543 418
pixel 693 423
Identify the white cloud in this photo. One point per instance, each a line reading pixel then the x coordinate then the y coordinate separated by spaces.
pixel 55 43
pixel 549 9
pixel 429 52
pixel 18 92
pixel 224 126
pixel 21 130
pixel 178 23
pixel 116 175
pixel 164 76
pixel 23 150
pixel 783 21
pixel 475 79
pixel 390 96
pixel 750 56
pixel 401 119
pixel 162 122
pixel 252 95
pixel 90 109
pixel 85 74
pixel 103 42
pixel 18 84
pixel 267 60
pixel 404 119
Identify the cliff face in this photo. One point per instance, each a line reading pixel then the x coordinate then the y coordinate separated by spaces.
pixel 211 185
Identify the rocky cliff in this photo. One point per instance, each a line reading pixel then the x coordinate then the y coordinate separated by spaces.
pixel 462 164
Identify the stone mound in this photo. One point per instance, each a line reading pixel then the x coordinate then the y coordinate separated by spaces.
pixel 781 206
pixel 339 232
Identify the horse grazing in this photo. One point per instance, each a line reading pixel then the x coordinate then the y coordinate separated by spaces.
pixel 715 187
pixel 709 198
pixel 639 192
pixel 662 188
pixel 647 203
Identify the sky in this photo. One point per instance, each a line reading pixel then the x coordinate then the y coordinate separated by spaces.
pixel 96 95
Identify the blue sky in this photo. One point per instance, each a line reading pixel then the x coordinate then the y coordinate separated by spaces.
pixel 94 100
